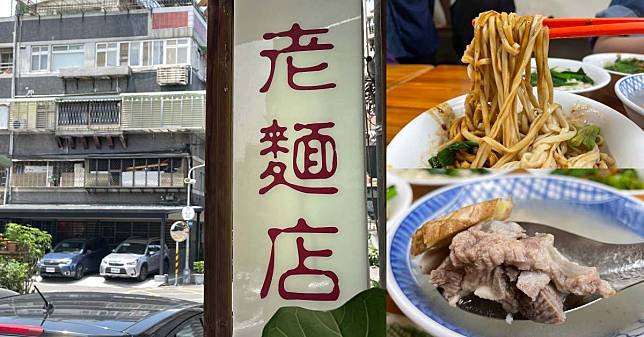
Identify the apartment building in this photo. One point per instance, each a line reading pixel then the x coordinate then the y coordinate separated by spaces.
pixel 102 111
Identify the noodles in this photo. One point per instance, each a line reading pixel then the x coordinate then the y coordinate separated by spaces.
pixel 512 126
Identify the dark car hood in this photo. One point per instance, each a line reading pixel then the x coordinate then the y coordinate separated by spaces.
pixel 58 256
pixel 94 314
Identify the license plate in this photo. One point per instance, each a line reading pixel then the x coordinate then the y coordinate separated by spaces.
pixel 115 270
pixel 50 270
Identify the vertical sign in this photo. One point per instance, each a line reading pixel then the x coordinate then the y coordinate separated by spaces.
pixel 299 209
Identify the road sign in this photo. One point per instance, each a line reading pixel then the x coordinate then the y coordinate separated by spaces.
pixel 179 231
pixel 188 213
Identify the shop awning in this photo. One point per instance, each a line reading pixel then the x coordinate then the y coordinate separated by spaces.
pixel 93 212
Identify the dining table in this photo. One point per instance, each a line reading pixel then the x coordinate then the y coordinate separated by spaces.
pixel 415 88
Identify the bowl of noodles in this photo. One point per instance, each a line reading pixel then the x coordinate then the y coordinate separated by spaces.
pixel 503 122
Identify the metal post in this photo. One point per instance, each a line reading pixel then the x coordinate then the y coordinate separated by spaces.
pixel 187 268
pixel 163 252
pixel 176 264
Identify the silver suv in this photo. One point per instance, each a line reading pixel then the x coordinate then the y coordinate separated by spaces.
pixel 135 258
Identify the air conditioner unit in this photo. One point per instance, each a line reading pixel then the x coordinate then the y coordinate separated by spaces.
pixel 174 75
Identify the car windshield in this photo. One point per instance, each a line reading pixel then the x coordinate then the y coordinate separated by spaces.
pixel 131 248
pixel 69 247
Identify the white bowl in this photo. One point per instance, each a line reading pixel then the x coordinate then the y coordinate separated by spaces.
pixel 423 176
pixel 630 90
pixel 600 76
pixel 419 139
pixel 604 59
pixel 399 204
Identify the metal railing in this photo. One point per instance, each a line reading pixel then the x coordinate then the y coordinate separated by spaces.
pixel 89 115
pixel 28 7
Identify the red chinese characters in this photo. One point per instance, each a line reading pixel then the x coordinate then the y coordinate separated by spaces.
pixel 314 157
pixel 302 228
pixel 295 34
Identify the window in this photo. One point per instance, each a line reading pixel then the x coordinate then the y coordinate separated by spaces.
pixel 157 52
pixel 6 61
pixel 4 117
pixel 146 53
pixel 124 53
pixel 106 54
pixel 135 53
pixel 137 172
pixel 177 51
pixel 39 58
pixel 67 56
pixel 191 328
pixel 47 174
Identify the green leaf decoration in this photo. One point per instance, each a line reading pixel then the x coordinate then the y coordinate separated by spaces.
pixel 361 316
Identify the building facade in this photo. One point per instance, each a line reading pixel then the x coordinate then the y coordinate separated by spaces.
pixel 102 111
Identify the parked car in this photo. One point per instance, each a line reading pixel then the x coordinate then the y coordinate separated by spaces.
pixel 7 293
pixel 135 258
pixel 73 314
pixel 73 258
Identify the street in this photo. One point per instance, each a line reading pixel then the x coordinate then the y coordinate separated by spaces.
pixel 95 283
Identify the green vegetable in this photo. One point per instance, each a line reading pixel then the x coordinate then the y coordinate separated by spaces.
pixel 629 65
pixel 451 172
pixel 363 315
pixel 391 192
pixel 447 156
pixel 626 179
pixel 564 78
pixel 585 137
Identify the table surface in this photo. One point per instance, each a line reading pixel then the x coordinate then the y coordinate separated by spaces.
pixel 414 88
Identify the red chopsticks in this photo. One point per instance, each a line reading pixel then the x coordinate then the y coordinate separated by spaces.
pixel 587 27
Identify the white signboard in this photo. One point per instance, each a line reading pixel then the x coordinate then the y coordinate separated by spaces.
pixel 299 209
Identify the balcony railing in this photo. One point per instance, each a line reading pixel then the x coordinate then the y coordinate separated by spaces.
pixel 32 115
pixel 88 116
pixel 28 7
pixel 164 111
pixel 167 111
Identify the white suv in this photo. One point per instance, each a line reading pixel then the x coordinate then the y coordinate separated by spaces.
pixel 135 258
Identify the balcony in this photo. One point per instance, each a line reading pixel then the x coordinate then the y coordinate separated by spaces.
pixel 135 174
pixel 89 117
pixel 160 112
pixel 47 174
pixel 32 115
pixel 58 7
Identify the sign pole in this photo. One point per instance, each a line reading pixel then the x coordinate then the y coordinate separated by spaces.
pixel 176 264
pixel 218 225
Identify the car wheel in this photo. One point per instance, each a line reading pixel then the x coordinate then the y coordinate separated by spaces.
pixel 107 278
pixel 143 274
pixel 80 271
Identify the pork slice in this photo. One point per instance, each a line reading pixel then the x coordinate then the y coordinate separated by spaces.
pixel 449 278
pixel 531 283
pixel 512 273
pixel 497 288
pixel 546 308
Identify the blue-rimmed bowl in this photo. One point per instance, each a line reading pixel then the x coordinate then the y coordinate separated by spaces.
pixel 586 208
pixel 630 90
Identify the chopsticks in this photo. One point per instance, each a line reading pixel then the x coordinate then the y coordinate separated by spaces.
pixel 588 27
